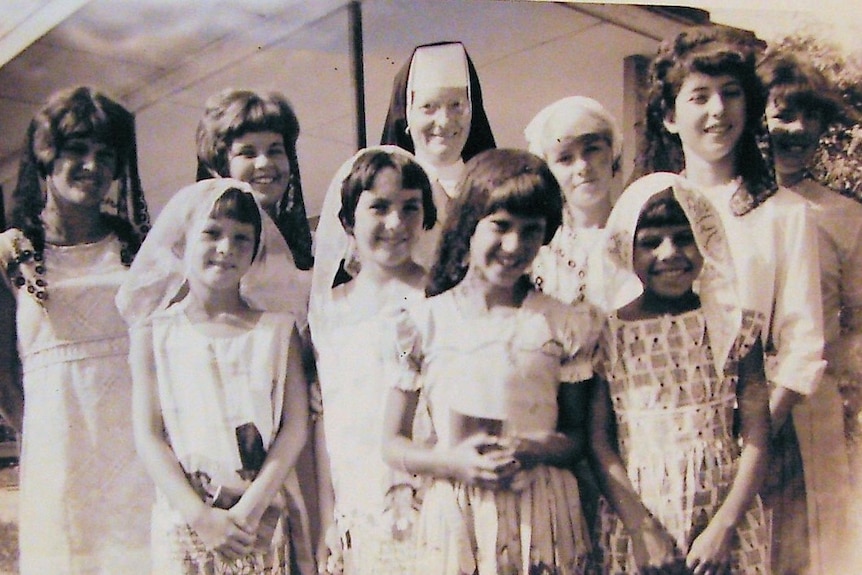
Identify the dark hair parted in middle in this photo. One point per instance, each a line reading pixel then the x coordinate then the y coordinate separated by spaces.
pixel 361 178
pixel 239 206
pixel 500 179
pixel 662 210
pixel 68 114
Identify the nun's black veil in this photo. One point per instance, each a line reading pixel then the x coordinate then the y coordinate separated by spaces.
pixel 395 127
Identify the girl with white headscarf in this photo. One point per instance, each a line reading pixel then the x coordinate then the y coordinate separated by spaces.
pixel 220 406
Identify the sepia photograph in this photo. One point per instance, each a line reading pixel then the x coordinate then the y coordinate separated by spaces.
pixel 431 287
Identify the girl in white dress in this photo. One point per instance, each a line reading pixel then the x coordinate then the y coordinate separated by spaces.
pixel 674 365
pixel 379 201
pixel 84 494
pixel 705 120
pixel 220 402
pixel 503 370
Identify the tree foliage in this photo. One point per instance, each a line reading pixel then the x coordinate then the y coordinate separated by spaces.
pixel 838 163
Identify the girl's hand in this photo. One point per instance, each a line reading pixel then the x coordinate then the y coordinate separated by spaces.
pixel 654 549
pixel 220 531
pixel 709 553
pixel 484 461
pixel 530 449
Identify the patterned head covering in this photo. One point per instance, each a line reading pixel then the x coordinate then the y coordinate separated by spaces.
pixel 158 275
pixel 716 284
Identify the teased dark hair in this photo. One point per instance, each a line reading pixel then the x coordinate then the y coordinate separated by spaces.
pixel 81 112
pixel 361 178
pixel 234 113
pixel 499 179
pixel 479 139
pixel 798 83
pixel 239 206
pixel 713 50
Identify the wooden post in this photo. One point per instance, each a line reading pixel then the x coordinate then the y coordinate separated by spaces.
pixel 357 70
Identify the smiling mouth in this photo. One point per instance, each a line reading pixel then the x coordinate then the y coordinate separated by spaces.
pixel 221 265
pixel 717 129
pixel 671 272
pixel 265 180
pixel 393 241
pixel 794 146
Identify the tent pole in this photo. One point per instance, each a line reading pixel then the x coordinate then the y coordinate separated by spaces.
pixel 357 72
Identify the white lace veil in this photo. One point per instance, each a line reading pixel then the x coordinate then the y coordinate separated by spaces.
pixel 716 284
pixel 157 276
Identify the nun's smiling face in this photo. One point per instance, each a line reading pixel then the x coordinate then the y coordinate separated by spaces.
pixel 439 121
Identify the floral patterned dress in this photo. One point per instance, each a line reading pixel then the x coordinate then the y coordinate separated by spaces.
pixel 508 365
pixel 674 420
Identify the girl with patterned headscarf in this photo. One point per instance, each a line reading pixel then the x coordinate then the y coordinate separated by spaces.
pixel 674 362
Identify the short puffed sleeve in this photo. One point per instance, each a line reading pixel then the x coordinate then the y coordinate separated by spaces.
pixel 604 352
pixel 404 355
pixel 577 327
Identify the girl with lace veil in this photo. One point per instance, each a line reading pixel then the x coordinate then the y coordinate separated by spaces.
pixel 220 405
pixel 673 364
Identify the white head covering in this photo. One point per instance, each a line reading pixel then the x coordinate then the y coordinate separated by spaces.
pixel 568 112
pixel 438 66
pixel 273 283
pixel 716 284
pixel 332 244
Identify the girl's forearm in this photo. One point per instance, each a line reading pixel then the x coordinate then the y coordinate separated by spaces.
pixel 161 464
pixel 618 490
pixel 753 465
pixel 11 388
pixel 325 491
pixel 781 403
pixel 280 459
pixel 289 440
pixel 553 448
pixel 403 454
